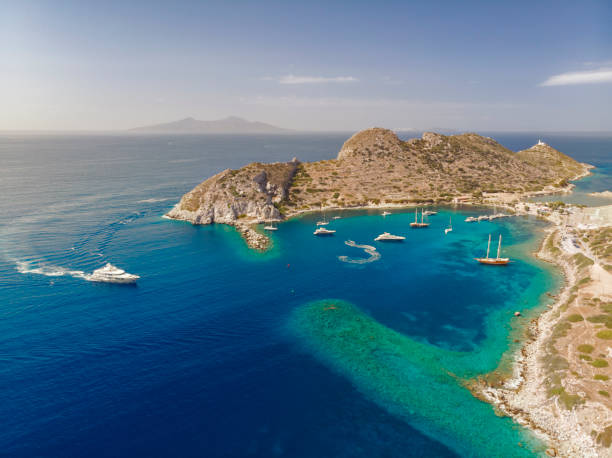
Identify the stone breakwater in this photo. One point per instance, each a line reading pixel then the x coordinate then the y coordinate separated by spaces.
pixel 253 238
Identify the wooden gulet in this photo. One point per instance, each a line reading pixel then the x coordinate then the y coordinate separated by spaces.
pixel 497 261
pixel 416 224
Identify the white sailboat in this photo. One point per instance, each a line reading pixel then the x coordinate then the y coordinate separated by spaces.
pixel 450 226
pixel 324 221
pixel 271 227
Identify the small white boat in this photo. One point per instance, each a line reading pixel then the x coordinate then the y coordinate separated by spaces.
pixel 471 219
pixel 450 226
pixel 336 217
pixel 385 213
pixel 111 274
pixel 387 237
pixel 324 231
pixel 430 212
pixel 483 217
pixel 271 227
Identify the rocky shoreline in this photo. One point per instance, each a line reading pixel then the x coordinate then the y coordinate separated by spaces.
pixel 577 431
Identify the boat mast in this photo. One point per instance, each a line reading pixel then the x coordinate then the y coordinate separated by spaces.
pixel 415 215
pixel 488 246
pixel 499 246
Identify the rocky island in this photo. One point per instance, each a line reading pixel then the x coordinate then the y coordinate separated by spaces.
pixel 374 168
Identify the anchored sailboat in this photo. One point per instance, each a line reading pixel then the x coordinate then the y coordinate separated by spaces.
pixel 450 226
pixel 271 227
pixel 416 223
pixel 497 261
pixel 324 221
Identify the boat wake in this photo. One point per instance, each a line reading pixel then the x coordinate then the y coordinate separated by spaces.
pixel 369 249
pixel 25 267
pixel 107 274
pixel 152 200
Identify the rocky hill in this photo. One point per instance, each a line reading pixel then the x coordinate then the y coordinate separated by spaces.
pixel 543 155
pixel 375 168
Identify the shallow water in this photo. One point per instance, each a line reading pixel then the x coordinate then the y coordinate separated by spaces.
pixel 199 359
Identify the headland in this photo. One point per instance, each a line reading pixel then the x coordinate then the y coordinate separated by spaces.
pixel 374 168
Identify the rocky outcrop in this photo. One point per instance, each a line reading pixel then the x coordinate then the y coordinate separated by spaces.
pixel 250 194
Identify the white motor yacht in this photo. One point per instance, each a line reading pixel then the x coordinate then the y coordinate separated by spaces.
pixel 387 237
pixel 112 274
pixel 324 231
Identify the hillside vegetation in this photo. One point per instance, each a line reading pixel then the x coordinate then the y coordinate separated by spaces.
pixel 375 167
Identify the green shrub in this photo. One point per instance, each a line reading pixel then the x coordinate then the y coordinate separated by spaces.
pixel 585 348
pixel 599 363
pixel 574 318
pixel 604 393
pixel 605 319
pixel 607 334
pixel 602 377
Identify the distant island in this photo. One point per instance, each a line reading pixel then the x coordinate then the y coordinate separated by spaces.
pixel 374 168
pixel 229 125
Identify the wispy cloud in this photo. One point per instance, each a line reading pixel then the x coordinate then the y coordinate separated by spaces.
pixel 603 75
pixel 296 79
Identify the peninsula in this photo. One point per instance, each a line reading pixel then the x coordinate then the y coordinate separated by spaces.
pixel 374 168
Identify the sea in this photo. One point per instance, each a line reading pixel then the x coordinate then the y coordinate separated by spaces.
pixel 313 349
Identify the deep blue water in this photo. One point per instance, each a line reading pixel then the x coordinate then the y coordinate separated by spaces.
pixel 197 359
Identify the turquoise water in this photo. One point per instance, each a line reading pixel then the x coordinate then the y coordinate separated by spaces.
pixel 207 356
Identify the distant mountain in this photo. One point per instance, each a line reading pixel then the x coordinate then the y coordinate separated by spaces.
pixel 230 125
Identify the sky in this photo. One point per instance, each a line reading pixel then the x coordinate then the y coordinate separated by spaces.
pixel 335 65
